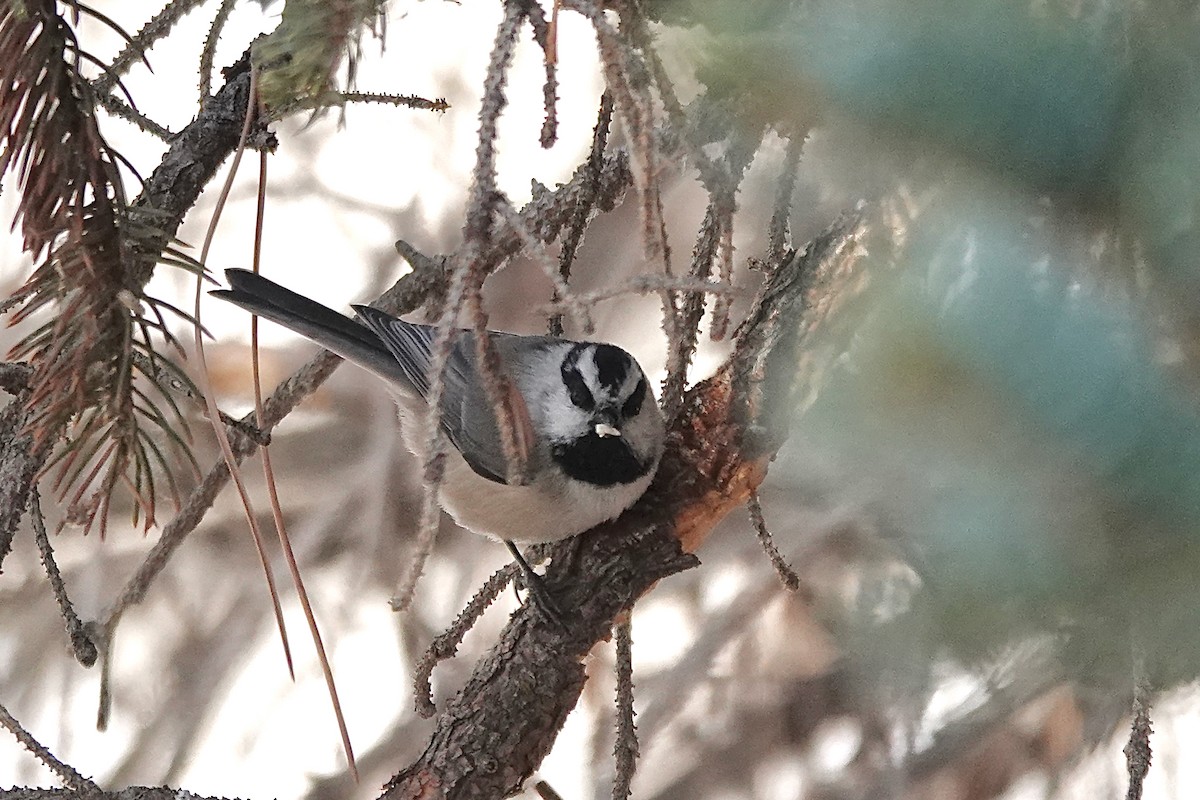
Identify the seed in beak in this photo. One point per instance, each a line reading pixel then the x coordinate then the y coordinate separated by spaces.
pixel 603 429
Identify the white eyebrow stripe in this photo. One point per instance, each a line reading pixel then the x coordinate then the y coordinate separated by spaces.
pixel 586 367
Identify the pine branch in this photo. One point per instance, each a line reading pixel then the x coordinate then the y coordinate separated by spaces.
pixel 96 254
pixel 192 161
pixel 100 255
pixel 300 58
pixel 497 730
pixel 547 214
pixel 69 210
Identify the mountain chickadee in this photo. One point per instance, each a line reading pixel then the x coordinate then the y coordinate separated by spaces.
pixel 590 426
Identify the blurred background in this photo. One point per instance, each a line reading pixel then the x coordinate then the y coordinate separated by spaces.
pixel 992 489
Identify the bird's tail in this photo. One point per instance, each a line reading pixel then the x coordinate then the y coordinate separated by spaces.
pixel 333 331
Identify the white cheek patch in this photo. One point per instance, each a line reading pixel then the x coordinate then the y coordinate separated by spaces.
pixel 562 420
pixel 559 420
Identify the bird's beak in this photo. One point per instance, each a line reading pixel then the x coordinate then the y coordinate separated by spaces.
pixel 603 429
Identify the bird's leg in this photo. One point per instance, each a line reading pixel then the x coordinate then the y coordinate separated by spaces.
pixel 537 587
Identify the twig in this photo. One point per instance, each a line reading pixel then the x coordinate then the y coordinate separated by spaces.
pixel 548 212
pixel 1137 749
pixel 122 110
pixel 720 311
pixel 777 231
pixel 81 644
pixel 195 155
pixel 715 238
pixel 128 793
pixel 582 212
pixel 418 260
pixel 564 297
pixel 434 462
pixel 446 644
pixel 135 48
pixel 687 320
pixel 739 155
pixel 340 99
pixel 625 749
pixel 634 106
pixel 497 385
pixel 164 377
pixel 653 284
pixel 431 513
pixel 676 116
pixel 791 581
pixel 210 48
pixel 544 34
pixel 483 186
pixel 466 281
pixel 66 773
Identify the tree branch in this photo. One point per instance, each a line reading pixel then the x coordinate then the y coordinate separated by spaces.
pixel 545 214
pixel 496 732
pixel 18 464
pixel 195 155
pixel 130 793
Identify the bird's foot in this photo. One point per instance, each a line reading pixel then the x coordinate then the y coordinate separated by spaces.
pixel 539 595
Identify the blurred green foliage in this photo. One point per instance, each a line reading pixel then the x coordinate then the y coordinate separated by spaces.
pixel 1043 461
pixel 1096 103
pixel 1015 368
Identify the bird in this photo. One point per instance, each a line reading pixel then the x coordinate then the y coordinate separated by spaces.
pixel 586 420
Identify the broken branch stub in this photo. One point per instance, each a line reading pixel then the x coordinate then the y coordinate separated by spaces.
pixel 734 423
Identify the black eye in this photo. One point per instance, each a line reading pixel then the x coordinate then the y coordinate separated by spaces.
pixel 634 404
pixel 578 390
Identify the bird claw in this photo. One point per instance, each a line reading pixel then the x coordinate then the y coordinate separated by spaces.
pixel 539 595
